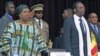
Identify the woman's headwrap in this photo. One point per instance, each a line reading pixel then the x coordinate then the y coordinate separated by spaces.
pixel 20 8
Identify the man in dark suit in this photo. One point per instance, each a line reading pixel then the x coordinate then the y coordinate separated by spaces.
pixel 76 33
pixel 58 40
pixel 9 8
pixel 94 27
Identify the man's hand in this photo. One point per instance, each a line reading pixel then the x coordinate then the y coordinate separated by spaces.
pixel 0 54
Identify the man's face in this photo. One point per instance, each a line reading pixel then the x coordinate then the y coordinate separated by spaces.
pixel 32 13
pixel 65 14
pixel 80 9
pixel 25 14
pixel 93 18
pixel 10 9
pixel 39 14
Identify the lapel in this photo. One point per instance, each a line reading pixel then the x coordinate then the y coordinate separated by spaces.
pixel 43 24
pixel 98 31
pixel 94 31
pixel 73 24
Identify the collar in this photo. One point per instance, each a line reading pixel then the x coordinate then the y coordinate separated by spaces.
pixel 37 19
pixel 93 24
pixel 77 17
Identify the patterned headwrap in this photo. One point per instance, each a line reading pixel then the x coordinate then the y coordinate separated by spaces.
pixel 20 8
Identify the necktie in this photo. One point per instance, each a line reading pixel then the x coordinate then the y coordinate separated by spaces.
pixel 84 36
pixel 39 22
pixel 82 28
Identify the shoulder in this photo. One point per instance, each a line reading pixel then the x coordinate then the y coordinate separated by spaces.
pixel 44 22
pixel 87 22
pixel 4 20
pixel 98 25
pixel 69 20
pixel 4 16
pixel 12 23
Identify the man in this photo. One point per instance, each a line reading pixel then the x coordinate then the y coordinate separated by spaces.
pixel 9 8
pixel 94 27
pixel 8 16
pixel 67 13
pixel 76 33
pixel 58 40
pixel 38 9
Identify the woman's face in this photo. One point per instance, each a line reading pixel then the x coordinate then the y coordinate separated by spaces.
pixel 25 14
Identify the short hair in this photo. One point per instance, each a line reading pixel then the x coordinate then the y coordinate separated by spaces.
pixel 92 13
pixel 69 9
pixel 75 4
pixel 8 3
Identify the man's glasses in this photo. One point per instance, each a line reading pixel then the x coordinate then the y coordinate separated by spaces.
pixel 39 12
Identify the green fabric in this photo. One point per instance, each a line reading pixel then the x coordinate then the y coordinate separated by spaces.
pixel 25 42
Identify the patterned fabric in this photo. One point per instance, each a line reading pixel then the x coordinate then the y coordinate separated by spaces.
pixel 94 49
pixel 26 40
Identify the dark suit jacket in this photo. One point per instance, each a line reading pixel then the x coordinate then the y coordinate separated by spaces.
pixel 71 37
pixel 3 23
pixel 58 42
pixel 96 35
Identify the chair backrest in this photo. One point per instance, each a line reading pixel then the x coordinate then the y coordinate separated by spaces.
pixel 58 52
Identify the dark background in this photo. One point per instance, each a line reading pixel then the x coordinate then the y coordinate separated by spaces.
pixel 53 10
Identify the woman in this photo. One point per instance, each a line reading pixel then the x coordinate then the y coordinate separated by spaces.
pixel 26 39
